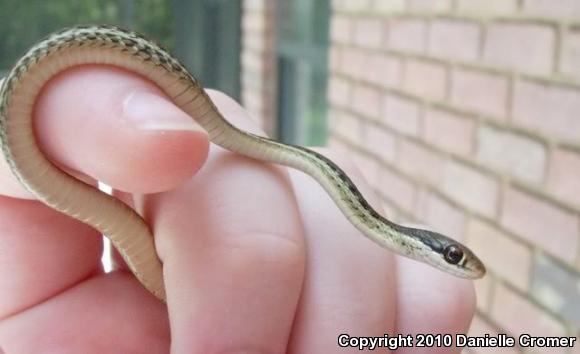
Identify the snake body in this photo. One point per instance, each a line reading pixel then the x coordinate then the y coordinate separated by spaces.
pixel 127 231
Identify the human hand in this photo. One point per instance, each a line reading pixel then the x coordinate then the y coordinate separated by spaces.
pixel 256 257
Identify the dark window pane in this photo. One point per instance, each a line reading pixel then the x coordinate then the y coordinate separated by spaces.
pixel 302 47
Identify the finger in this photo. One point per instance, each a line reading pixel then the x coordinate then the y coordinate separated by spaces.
pixel 120 129
pixel 432 302
pixel 41 254
pixel 105 315
pixel 231 244
pixel 349 281
pixel 114 126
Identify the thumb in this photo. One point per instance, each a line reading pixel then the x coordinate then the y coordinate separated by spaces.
pixel 116 127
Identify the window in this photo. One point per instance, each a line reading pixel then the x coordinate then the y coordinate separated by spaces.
pixel 204 34
pixel 301 54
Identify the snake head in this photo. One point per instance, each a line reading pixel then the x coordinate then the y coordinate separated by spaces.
pixel 442 252
pixel 461 261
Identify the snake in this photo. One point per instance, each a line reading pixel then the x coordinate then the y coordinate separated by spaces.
pixel 126 229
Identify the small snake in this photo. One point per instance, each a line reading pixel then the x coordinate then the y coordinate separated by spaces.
pixel 127 231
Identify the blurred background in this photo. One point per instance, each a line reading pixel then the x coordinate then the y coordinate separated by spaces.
pixel 462 114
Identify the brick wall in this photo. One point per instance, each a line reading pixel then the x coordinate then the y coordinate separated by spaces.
pixel 465 115
pixel 257 61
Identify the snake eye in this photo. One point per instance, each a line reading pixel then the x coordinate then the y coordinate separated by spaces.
pixel 453 254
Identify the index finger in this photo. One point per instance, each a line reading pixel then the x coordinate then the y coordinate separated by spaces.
pixel 232 246
pixel 113 126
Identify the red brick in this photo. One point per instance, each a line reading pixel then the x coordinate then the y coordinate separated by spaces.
pixel 517 315
pixel 381 143
pixel 449 132
pixel 552 110
pixel 253 22
pixel 420 162
pixel 251 80
pixel 255 108
pixel 479 328
pixel 441 216
pixel 253 5
pixel 389 6
pixel 383 70
pixel 256 113
pixel 367 101
pixel 423 195
pixel 570 56
pixel 339 91
pixel 480 92
pixel 487 7
pixel 341 29
pixel 335 143
pixel 252 61
pixel 471 188
pixel 252 99
pixel 352 62
pixel 334 58
pixel 398 189
pixel 575 349
pixel 401 114
pixel 429 5
pixel 517 155
pixel 349 127
pixel 543 224
pixel 355 5
pixel 507 258
pixel 407 35
pixel 555 287
pixel 521 47
pixel 253 41
pixel 564 175
pixel 390 211
pixel 425 79
pixel 368 167
pixel 333 117
pixel 368 33
pixel 455 40
pixel 552 8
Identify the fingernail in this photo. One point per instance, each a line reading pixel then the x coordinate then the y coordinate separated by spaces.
pixel 149 111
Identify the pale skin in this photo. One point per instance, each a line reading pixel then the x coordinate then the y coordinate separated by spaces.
pixel 256 257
